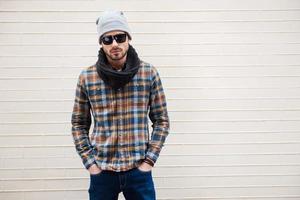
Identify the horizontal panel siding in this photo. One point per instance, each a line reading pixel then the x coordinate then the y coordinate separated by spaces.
pixel 135 15
pixel 149 6
pixel 88 39
pixel 151 27
pixel 217 116
pixel 230 70
pixel 164 50
pixel 242 82
pixel 200 92
pixel 169 60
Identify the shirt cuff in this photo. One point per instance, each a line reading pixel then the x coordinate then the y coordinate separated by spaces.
pixel 89 161
pixel 153 154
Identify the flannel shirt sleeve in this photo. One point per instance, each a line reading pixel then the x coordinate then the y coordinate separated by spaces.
pixel 81 122
pixel 158 115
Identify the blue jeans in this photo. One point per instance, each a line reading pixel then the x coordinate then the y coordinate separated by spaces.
pixel 135 185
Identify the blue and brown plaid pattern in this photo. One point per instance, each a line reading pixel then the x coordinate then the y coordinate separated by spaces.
pixel 120 138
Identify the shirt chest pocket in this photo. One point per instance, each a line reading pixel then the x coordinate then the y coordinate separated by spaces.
pixel 98 99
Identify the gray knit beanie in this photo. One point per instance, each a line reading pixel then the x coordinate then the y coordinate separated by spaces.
pixel 112 20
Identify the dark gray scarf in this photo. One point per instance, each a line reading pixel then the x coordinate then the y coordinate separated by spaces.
pixel 114 78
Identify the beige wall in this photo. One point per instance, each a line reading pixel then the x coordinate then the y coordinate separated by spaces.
pixel 230 70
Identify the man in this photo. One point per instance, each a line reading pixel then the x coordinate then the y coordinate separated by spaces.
pixel 120 91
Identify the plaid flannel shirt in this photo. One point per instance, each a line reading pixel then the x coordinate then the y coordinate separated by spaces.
pixel 120 139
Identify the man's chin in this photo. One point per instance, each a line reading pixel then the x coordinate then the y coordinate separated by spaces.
pixel 116 58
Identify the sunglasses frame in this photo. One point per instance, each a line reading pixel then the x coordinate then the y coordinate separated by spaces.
pixel 112 38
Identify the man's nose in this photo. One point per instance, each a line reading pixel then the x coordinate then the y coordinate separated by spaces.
pixel 114 43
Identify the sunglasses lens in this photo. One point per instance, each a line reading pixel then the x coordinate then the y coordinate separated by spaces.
pixel 120 38
pixel 107 40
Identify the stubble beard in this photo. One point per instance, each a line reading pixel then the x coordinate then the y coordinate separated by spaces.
pixel 116 57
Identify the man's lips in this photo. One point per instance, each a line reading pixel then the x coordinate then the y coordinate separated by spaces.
pixel 115 51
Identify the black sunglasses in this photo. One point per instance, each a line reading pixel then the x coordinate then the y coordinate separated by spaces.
pixel 120 38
